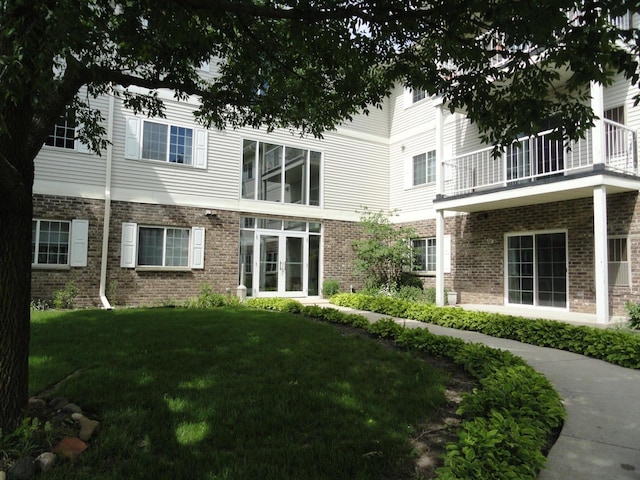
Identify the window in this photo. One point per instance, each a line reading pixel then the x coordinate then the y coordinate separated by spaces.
pixel 424 168
pixel 63 134
pixel 417 94
pixel 162 142
pixel 619 273
pixel 278 173
pixel 168 247
pixel 49 242
pixel 167 143
pixel 59 243
pixel 424 254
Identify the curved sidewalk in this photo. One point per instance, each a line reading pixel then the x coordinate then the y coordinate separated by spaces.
pixel 600 439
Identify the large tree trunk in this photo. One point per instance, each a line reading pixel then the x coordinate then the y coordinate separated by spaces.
pixel 15 293
pixel 16 208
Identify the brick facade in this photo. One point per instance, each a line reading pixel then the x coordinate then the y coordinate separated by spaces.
pixel 477 250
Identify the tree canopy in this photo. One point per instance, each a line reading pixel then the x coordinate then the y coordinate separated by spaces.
pixel 301 64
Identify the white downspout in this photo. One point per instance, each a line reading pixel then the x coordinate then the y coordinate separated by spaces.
pixel 107 207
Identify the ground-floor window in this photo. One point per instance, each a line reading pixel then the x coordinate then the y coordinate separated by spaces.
pixel 49 242
pixel 279 257
pixel 536 269
pixel 619 271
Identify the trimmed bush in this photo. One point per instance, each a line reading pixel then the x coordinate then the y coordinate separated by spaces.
pixel 330 288
pixel 618 347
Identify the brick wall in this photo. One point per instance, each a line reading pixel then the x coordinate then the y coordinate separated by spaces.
pixel 339 255
pixel 479 261
pixel 45 282
pixel 128 286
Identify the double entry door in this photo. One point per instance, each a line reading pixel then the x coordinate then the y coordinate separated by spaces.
pixel 281 265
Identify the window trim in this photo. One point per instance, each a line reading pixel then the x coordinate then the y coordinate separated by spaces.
pixel 446 253
pixel 77 244
pixel 78 146
pixel 430 168
pixel 429 243
pixel 134 138
pixel 621 263
pixel 130 248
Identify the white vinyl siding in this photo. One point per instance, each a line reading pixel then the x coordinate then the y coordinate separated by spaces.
pixel 162 247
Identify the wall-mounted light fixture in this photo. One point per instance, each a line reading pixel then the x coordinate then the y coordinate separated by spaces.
pixel 210 213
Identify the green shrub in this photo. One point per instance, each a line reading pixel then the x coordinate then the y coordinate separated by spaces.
pixel 614 346
pixel 410 294
pixel 278 304
pixel 330 288
pixel 634 314
pixel 207 298
pixel 385 328
pixel 65 297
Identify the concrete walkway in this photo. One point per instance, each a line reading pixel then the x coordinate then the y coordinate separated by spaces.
pixel 600 439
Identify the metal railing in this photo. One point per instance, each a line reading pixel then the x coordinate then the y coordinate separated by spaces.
pixel 538 156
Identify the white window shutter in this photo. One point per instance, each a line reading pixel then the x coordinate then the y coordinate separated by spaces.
pixel 132 138
pixel 79 243
pixel 128 247
pixel 200 148
pixel 408 97
pixel 197 247
pixel 408 173
pixel 79 146
pixel 447 253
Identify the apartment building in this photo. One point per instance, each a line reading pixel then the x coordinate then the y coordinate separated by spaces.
pixel 170 206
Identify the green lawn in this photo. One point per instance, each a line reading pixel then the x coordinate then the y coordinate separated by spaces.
pixel 232 393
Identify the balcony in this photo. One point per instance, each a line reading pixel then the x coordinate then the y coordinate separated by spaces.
pixel 529 170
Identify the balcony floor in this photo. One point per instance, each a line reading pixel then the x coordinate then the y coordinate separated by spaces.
pixel 541 190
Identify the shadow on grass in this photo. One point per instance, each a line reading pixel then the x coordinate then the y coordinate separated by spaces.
pixel 232 394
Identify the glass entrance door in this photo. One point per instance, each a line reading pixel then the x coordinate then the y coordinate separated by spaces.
pixel 281 266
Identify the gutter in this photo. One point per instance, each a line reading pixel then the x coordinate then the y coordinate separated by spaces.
pixel 107 208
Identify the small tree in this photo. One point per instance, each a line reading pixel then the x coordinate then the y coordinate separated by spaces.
pixel 385 252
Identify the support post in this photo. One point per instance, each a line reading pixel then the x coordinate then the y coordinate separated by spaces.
pixel 597 105
pixel 440 258
pixel 600 246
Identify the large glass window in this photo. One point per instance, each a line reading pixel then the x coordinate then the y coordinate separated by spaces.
pixel 167 143
pixel 49 242
pixel 278 173
pixel 163 247
pixel 537 269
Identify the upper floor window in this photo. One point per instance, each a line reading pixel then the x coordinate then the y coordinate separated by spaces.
pixel 278 173
pixel 424 168
pixel 164 142
pixel 59 243
pixel 64 133
pixel 417 94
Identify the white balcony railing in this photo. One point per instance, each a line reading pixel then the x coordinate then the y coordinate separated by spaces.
pixel 538 156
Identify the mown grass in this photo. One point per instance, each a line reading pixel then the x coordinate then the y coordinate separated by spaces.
pixel 232 393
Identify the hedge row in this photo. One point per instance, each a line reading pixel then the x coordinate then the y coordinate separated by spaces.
pixel 507 421
pixel 614 346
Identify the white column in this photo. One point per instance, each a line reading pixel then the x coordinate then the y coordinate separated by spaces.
pixel 597 132
pixel 600 246
pixel 439 148
pixel 440 174
pixel 440 258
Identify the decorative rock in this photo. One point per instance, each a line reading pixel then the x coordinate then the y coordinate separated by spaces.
pixel 70 447
pixel 77 416
pixel 46 460
pixel 37 403
pixel 23 469
pixel 71 408
pixel 3 475
pixel 87 428
pixel 58 402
